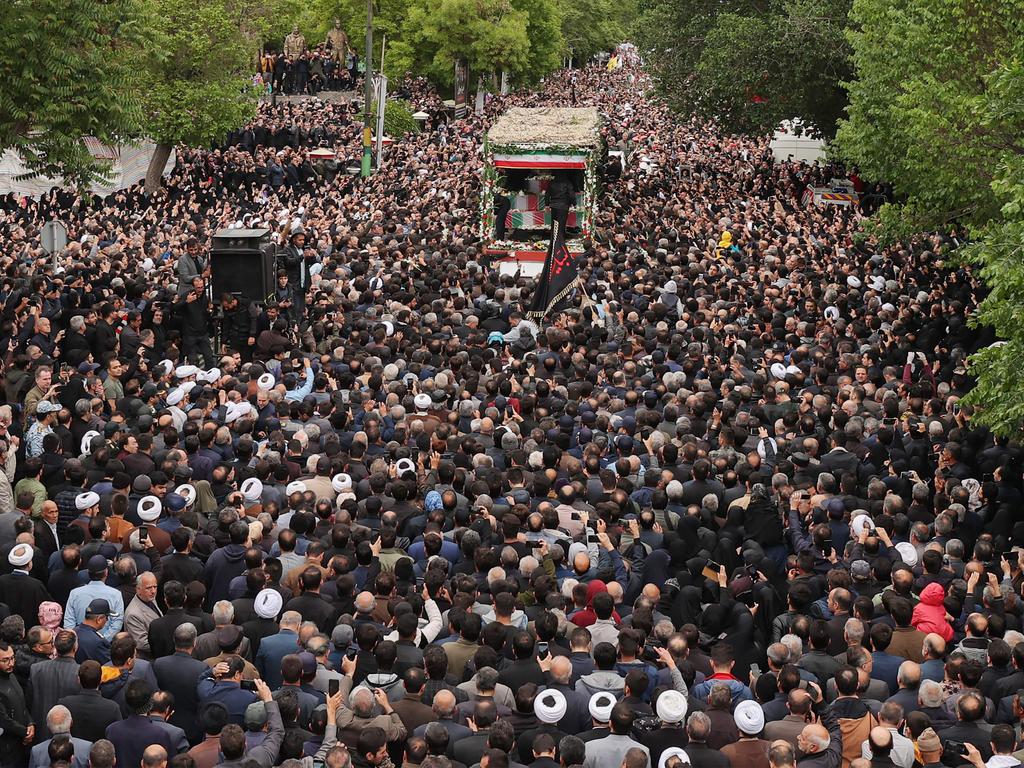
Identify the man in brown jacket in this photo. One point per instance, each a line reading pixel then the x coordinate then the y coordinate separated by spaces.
pixel 749 751
pixel 788 728
pixel 907 641
pixel 411 709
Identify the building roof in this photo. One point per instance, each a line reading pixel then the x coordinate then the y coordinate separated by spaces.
pixel 560 126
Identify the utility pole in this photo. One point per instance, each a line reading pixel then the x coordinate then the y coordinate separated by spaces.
pixel 368 92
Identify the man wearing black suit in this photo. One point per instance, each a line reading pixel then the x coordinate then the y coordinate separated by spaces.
pixel 839 461
pixel 161 630
pixel 90 712
pixel 22 593
pixel 313 607
pixel 840 601
pixel 136 732
pixel 178 674
pixel 525 668
pixel 695 490
pixel 469 750
pixel 50 681
pixel 970 709
pixel 46 529
pixel 181 566
pixel 68 576
pixel 701 755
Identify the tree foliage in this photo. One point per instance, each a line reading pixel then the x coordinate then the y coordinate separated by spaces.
pixel 66 68
pixel 522 37
pixel 592 26
pixel 201 88
pixel 398 119
pixel 749 64
pixel 937 107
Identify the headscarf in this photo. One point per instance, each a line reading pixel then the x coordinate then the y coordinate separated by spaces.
pixel 656 567
pixel 669 297
pixel 432 501
pixel 50 615
pixel 206 502
pixel 586 617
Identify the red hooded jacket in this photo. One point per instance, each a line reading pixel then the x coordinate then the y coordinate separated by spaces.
pixel 930 613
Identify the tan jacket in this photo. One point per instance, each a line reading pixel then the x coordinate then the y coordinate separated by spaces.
pixel 137 618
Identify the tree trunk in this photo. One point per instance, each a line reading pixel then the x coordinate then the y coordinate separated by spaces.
pixel 157 163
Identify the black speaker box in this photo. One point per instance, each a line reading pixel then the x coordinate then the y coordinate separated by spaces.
pixel 242 263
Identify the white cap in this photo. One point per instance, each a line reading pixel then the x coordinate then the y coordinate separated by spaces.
pixel 252 489
pixel 295 486
pixel 165 366
pixel 600 706
pixel 550 706
pixel 268 604
pixel 20 555
pixel 86 445
pixel 778 370
pixel 672 707
pixel 404 465
pixel 422 401
pixel 188 492
pixel 861 523
pixel 185 371
pixel 211 375
pixel 266 381
pixel 907 553
pixel 853 281
pixel 749 718
pixel 341 483
pixel 235 411
pixel 86 500
pixel 673 752
pixel 175 396
pixel 149 508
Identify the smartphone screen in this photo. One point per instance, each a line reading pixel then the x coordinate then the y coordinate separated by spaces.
pixel 333 686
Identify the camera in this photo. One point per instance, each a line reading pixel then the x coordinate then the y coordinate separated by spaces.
pixel 248 685
pixel 650 653
pixel 955 748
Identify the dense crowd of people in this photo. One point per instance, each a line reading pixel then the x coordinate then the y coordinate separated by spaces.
pixel 726 512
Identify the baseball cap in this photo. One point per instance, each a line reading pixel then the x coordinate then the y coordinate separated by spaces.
pixel 98 607
pixel 255 716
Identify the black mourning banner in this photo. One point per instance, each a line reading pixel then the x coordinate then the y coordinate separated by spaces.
pixel 558 279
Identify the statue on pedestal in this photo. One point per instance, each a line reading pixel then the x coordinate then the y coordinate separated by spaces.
pixel 337 42
pixel 294 44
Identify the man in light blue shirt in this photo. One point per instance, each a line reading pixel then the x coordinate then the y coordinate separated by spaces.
pixel 80 598
pixel 298 394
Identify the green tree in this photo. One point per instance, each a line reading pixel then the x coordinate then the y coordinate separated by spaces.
pixel 67 68
pixel 937 107
pixel 201 88
pixel 592 26
pixel 544 31
pixel 522 37
pixel 749 64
